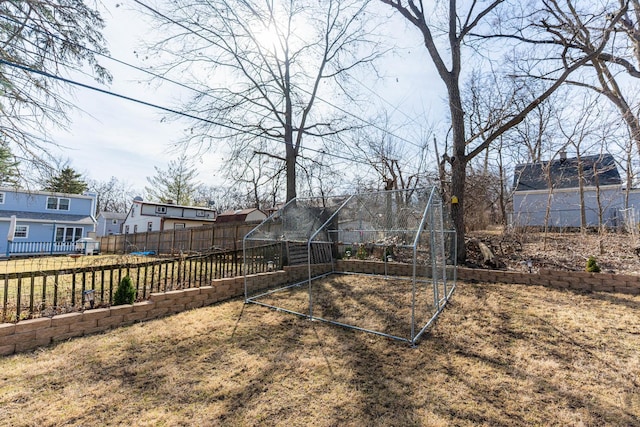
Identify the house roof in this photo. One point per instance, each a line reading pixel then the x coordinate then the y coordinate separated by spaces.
pixel 236 215
pixel 598 170
pixel 47 217
pixel 86 195
pixel 112 215
pixel 173 205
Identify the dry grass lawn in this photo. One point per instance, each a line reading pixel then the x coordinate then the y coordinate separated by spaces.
pixel 500 355
pixel 62 262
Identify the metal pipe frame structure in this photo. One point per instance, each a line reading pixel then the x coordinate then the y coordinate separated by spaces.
pixel 432 217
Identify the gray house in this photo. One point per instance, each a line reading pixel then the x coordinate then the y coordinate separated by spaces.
pixel 554 186
pixel 110 223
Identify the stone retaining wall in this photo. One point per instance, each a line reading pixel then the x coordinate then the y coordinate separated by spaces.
pixel 33 333
pixel 575 280
pixel 30 334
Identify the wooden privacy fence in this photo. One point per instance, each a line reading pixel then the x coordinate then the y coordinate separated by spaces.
pixel 178 241
pixel 34 294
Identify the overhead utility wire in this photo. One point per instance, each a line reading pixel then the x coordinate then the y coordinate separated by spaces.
pixel 354 158
pixel 173 21
pixel 160 107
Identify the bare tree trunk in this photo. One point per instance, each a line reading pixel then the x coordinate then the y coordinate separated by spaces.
pixel 502 201
pixel 458 163
pixel 583 213
pixel 598 199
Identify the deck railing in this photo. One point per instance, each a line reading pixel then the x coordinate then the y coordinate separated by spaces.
pixel 43 248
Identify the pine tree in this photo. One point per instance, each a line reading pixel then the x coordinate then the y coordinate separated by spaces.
pixel 67 181
pixel 9 174
pixel 126 292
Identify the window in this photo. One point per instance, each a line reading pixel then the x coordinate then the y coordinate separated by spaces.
pixel 68 234
pixel 21 231
pixel 178 225
pixel 126 229
pixel 150 226
pixel 1 198
pixel 199 213
pixel 58 203
pixel 135 228
pixel 114 221
pixel 161 209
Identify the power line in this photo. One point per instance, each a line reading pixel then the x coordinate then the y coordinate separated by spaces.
pixel 186 28
pixel 167 109
pixel 182 113
pixel 168 80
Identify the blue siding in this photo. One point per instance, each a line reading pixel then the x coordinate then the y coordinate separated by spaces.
pixel 37 203
pixel 32 210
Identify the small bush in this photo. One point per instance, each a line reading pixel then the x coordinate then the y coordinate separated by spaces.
pixel 126 293
pixel 592 265
pixel 362 252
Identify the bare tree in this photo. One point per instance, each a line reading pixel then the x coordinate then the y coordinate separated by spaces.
pixel 220 197
pixel 582 29
pixel 457 29
pixel 113 195
pixel 260 175
pixel 260 67
pixel 36 37
pixel 396 163
pixel 176 183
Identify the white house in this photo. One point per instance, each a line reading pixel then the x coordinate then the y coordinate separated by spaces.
pixel 154 216
pixel 109 223
pixel 555 185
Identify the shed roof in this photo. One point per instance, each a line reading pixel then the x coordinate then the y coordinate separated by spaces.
pixel 598 170
pixel 113 215
pixel 236 215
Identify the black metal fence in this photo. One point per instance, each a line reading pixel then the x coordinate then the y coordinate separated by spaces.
pixel 33 294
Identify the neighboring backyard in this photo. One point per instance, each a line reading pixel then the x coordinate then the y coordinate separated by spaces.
pixel 46 263
pixel 499 355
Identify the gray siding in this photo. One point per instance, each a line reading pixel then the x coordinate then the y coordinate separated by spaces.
pixel 529 208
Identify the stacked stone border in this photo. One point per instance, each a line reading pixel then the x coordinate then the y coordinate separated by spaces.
pixel 33 333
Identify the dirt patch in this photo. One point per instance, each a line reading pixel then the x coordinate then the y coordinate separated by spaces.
pixel 499 355
pixel 614 252
pixel 374 303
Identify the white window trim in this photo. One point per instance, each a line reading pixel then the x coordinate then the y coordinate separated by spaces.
pixel 200 213
pixel 74 237
pixel 26 232
pixel 57 208
pixel 161 209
